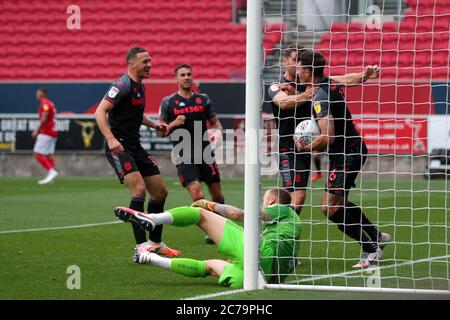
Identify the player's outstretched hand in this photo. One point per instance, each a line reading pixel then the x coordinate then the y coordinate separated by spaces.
pixel 205 204
pixel 115 146
pixel 34 134
pixel 372 72
pixel 161 127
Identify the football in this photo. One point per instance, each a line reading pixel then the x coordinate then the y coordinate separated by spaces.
pixel 306 131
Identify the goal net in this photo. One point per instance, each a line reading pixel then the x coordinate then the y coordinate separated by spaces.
pixel 402 117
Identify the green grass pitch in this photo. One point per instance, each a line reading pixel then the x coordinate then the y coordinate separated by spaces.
pixel 33 265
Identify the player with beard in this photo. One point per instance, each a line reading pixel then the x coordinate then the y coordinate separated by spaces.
pixel 347 153
pixel 291 104
pixel 119 117
pixel 193 112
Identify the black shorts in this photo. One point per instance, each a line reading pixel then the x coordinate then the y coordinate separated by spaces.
pixel 208 173
pixel 344 169
pixel 134 159
pixel 294 169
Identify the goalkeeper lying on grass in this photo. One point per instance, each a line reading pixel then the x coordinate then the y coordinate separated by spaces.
pixel 278 247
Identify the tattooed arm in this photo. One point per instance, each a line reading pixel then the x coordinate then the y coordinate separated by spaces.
pixel 226 210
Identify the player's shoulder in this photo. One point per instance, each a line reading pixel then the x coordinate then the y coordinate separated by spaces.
pixel 47 105
pixel 122 83
pixel 203 96
pixel 323 91
pixel 167 100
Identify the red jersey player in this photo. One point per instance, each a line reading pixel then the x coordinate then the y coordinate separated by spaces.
pixel 46 136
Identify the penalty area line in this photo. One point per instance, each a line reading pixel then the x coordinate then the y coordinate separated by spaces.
pixel 214 295
pixel 62 228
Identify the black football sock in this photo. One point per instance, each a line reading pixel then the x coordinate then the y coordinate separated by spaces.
pixel 156 207
pixel 137 203
pixel 352 227
pixel 367 225
pixel 317 164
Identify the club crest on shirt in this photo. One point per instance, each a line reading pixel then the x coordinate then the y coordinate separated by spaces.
pixel 275 87
pixel 182 104
pixel 112 93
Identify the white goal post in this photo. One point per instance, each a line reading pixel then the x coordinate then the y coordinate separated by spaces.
pixel 402 188
pixel 253 103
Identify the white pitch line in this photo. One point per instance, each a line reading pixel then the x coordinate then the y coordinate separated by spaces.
pixel 213 295
pixel 383 223
pixel 62 228
pixel 343 274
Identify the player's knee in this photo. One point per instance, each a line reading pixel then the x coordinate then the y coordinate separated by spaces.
pixel 138 189
pixel 196 191
pixel 161 195
pixel 298 199
pixel 327 209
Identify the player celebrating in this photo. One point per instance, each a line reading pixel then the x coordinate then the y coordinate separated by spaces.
pixel 46 136
pixel 291 105
pixel 119 117
pixel 347 153
pixel 278 245
pixel 188 110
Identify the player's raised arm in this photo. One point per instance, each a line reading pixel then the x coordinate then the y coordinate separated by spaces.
pixel 101 116
pixel 227 211
pixel 350 79
pixel 160 127
pixel 286 100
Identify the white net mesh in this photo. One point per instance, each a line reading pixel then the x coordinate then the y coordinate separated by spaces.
pixel 402 117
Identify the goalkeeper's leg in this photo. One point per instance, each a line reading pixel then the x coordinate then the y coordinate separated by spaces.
pixel 211 223
pixel 228 273
pixel 188 267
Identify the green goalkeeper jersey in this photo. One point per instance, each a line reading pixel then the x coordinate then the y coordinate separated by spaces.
pixel 280 243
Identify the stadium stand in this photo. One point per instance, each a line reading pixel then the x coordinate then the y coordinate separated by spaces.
pixel 417 47
pixel 36 43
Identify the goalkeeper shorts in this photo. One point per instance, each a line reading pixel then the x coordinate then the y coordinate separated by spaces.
pixel 232 246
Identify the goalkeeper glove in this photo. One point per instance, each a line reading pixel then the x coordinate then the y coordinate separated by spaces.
pixel 205 204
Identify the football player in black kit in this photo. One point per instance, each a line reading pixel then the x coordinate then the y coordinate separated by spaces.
pixel 193 112
pixel 291 104
pixel 119 116
pixel 347 153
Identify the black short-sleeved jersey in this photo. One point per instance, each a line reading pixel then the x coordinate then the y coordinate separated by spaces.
pixel 328 101
pixel 287 120
pixel 198 109
pixel 125 119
